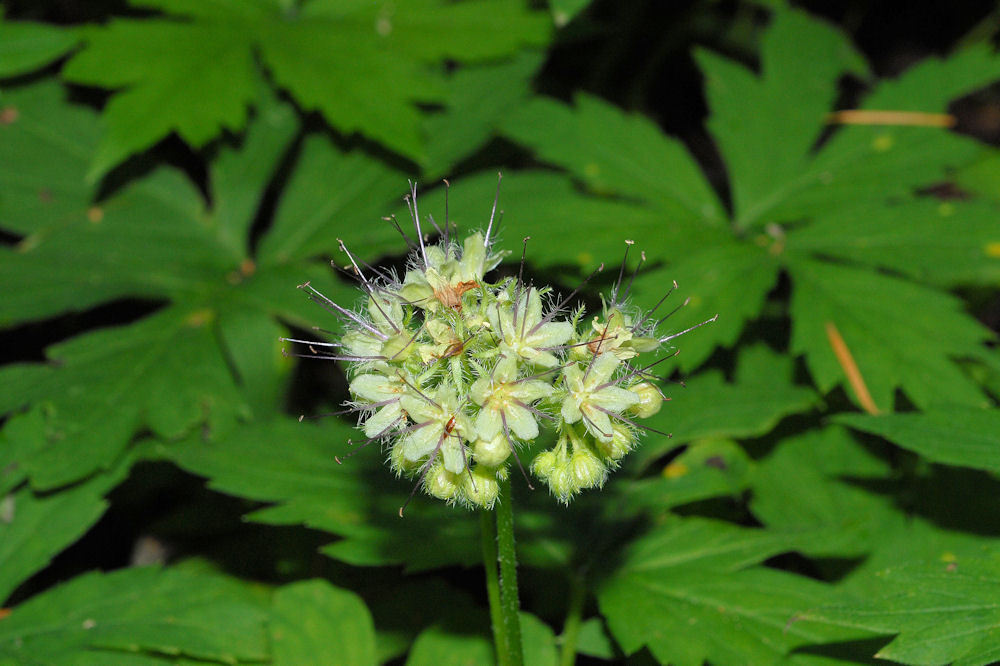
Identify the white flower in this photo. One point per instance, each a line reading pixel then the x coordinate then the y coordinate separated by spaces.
pixel 524 333
pixel 592 397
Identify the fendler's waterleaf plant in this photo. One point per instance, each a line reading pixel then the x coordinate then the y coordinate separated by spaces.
pixel 458 375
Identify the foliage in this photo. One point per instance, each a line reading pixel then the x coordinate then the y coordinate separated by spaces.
pixel 168 176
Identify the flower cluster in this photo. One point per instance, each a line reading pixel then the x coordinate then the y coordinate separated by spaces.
pixel 459 375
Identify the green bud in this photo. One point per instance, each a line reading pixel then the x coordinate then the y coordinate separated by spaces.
pixel 587 470
pixel 491 452
pixel 441 483
pixel 480 487
pixel 650 400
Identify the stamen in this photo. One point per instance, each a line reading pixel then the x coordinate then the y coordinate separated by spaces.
pixel 409 243
pixel 333 307
pixel 671 313
pixel 513 450
pixel 368 441
pixel 327 357
pixel 310 342
pixel 496 198
pixel 408 342
pixel 658 304
pixel 534 410
pixel 597 351
pixel 688 330
pixel 640 371
pixel 416 220
pixel 628 288
pixel 632 423
pixel 419 392
pixel 621 273
pixel 547 318
pixel 517 285
pixel 447 187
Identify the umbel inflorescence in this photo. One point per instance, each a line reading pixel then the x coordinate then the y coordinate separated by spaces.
pixel 458 374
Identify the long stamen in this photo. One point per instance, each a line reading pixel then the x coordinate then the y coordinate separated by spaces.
pixel 327 357
pixel 658 304
pixel 447 187
pixel 513 450
pixel 671 313
pixel 640 371
pixel 369 440
pixel 409 243
pixel 416 221
pixel 419 392
pixel 621 273
pixel 423 472
pixel 629 421
pixel 317 297
pixel 311 342
pixel 552 313
pixel 688 330
pixel 628 288
pixel 408 343
pixel 367 286
pixel 496 198
pixel 597 351
pixel 517 285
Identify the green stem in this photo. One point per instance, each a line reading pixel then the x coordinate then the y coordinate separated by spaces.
pixel 574 617
pixel 509 640
pixel 488 525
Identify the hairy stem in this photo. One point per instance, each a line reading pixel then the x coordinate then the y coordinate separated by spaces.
pixel 508 641
pixel 488 525
pixel 574 616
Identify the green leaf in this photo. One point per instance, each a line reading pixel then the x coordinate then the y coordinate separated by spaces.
pixel 765 126
pixel 952 436
pixel 478 99
pixel 689 591
pixel 35 527
pixel 164 372
pixel 811 482
pixel 331 195
pixel 26 46
pixel 293 465
pixel 168 87
pixel 709 407
pixel 945 243
pixel 363 66
pixel 943 612
pixel 314 622
pixel 43 156
pixel 538 642
pixel 439 647
pixel 615 153
pixel 705 469
pixel 162 611
pixel 899 334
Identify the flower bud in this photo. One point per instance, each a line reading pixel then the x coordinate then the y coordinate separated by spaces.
pixel 586 469
pixel 650 400
pixel 441 483
pixel 491 452
pixel 622 441
pixel 480 487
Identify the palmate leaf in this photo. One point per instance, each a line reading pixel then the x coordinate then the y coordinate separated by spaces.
pixel 944 612
pixel 709 407
pixel 147 611
pixel 292 465
pixel 34 527
pixel 26 46
pixel 362 65
pixel 953 436
pixel 184 365
pixel 691 591
pixel 862 179
pixel 898 333
pixel 313 622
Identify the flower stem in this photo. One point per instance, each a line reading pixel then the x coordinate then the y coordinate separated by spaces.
pixel 498 546
pixel 574 616
pixel 488 525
